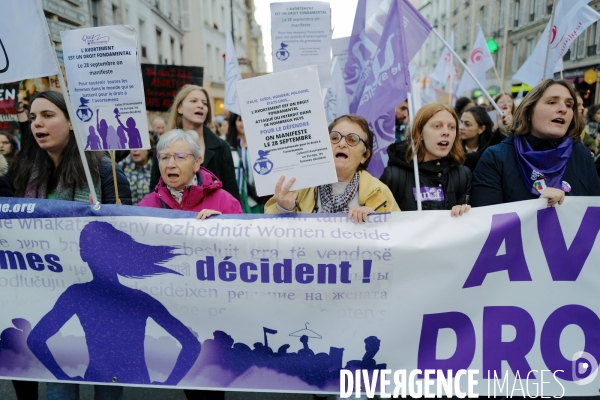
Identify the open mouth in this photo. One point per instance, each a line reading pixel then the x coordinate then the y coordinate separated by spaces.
pixel 341 155
pixel 443 144
pixel 558 121
pixel 41 135
pixel 173 176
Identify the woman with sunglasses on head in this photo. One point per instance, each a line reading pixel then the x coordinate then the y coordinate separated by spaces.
pixel 543 157
pixel 445 183
pixel 357 192
pixel 191 112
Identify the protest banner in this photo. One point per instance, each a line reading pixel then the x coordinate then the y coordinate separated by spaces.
pixel 301 36
pixel 270 303
pixel 162 82
pixel 8 106
pixel 106 88
pixel 286 129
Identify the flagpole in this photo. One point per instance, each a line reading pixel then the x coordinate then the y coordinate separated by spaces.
pixel 505 45
pixel 467 70
pixel 411 117
pixel 549 41
pixel 86 168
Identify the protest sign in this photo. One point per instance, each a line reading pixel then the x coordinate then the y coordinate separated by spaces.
pixel 339 48
pixel 267 303
pixel 106 89
pixel 162 82
pixel 301 36
pixel 286 129
pixel 8 106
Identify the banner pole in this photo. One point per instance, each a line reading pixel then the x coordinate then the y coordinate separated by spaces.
pixel 411 117
pixel 467 70
pixel 114 171
pixel 505 44
pixel 549 41
pixel 86 168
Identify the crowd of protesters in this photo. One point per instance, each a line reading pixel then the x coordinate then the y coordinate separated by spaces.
pixel 545 147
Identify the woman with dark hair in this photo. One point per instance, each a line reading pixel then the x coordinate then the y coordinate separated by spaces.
pixel 357 192
pixel 191 112
pixel 236 137
pixel 9 146
pixel 475 133
pixel 543 157
pixel 462 104
pixel 53 168
pixel 445 183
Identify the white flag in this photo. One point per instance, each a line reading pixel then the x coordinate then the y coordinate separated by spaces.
pixel 480 60
pixel 568 24
pixel 335 100
pixel 25 47
pixel 232 74
pixel 444 66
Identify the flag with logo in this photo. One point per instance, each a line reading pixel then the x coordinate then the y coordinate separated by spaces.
pixel 232 74
pixel 369 22
pixel 568 24
pixel 444 67
pixel 335 99
pixel 25 47
pixel 386 84
pixel 480 60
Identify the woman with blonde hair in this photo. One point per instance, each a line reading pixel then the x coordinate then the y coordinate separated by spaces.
pixel 191 111
pixel 445 182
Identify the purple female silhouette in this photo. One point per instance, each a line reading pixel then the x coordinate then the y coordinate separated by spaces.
pixel 113 316
pixel 93 141
pixel 135 139
pixel 102 128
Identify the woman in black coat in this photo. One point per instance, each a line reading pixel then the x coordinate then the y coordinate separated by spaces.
pixel 543 156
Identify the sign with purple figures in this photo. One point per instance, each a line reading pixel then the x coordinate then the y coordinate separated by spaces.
pixel 301 36
pixel 286 129
pixel 504 296
pixel 105 86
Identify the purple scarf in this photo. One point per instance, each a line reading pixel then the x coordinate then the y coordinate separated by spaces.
pixel 546 165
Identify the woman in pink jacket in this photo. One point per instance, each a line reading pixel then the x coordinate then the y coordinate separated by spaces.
pixel 184 184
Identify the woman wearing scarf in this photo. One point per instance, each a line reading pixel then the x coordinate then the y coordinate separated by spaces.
pixel 542 157
pixel 357 192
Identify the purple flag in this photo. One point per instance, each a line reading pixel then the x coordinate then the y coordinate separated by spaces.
pixel 418 27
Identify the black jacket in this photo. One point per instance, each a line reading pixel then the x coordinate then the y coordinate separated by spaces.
pixel 497 179
pixel 399 177
pixel 108 187
pixel 217 159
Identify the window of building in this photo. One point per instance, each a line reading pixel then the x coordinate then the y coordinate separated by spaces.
pixel 581 48
pixel 530 47
pixel 516 10
pixel 209 61
pixel 483 19
pixel 515 57
pixel 467 31
pixel 172 51
pixel 142 38
pixel 95 12
pixel 592 39
pixel 215 15
pixel 159 46
pixel 115 15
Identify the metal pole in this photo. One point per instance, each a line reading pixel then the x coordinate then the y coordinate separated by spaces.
pixel 467 70
pixel 232 31
pixel 548 46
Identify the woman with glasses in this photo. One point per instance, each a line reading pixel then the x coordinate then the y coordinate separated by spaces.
pixel 184 184
pixel 356 192
pixel 444 183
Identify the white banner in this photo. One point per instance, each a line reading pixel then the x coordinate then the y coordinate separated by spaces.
pixel 288 304
pixel 301 36
pixel 232 75
pixel 25 46
pixel 286 129
pixel 105 84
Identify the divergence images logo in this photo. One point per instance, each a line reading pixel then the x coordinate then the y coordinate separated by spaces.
pixel 93 40
pixel 584 368
pixel 282 54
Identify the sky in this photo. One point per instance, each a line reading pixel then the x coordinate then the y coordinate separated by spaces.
pixel 342 19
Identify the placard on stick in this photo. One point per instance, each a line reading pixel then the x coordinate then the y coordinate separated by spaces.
pixel 286 129
pixel 105 85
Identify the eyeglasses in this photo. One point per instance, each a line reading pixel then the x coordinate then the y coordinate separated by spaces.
pixel 178 157
pixel 352 138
